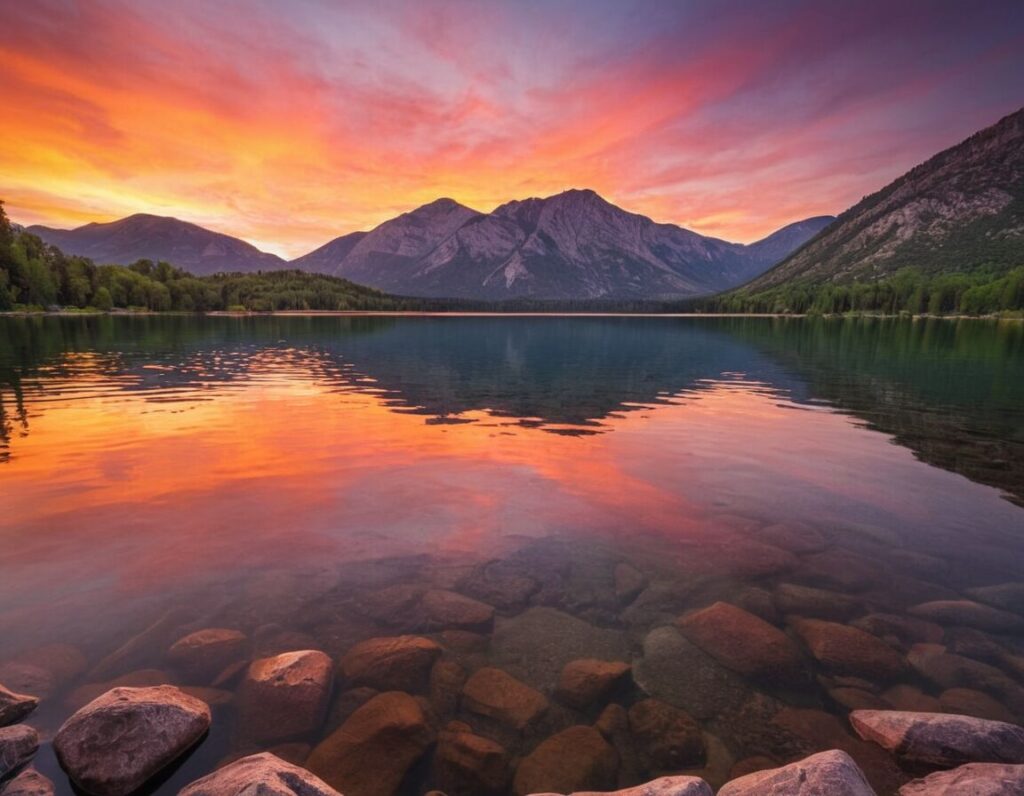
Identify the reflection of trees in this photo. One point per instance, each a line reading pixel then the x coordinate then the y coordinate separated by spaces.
pixel 951 392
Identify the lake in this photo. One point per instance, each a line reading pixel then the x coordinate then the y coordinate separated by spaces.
pixel 313 482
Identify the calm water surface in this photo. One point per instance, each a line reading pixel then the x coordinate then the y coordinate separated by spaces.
pixel 283 476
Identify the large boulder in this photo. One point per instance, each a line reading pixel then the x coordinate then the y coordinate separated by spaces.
pixel 588 680
pixel 14 707
pixel 371 752
pixel 120 740
pixel 284 696
pixel 466 764
pixel 29 782
pixel 499 696
pixel 204 654
pixel 576 759
pixel 744 643
pixel 845 650
pixel 264 774
pixel 666 738
pixel 18 745
pixel 969 613
pixel 397 663
pixel 831 773
pixel 973 779
pixel 940 739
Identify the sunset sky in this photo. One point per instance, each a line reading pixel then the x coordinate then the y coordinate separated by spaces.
pixel 289 123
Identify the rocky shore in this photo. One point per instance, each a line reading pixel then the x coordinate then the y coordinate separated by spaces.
pixel 550 671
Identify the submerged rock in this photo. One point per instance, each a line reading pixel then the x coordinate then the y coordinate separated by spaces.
pixel 586 681
pixel 677 671
pixel 971 614
pixel 906 630
pixel 847 650
pixel 1008 596
pixel 629 582
pixel 448 609
pixel 264 774
pixel 397 663
pixel 284 696
pixel 466 764
pixel 499 696
pixel 371 752
pixel 831 773
pixel 968 702
pixel 940 739
pixel 504 584
pixel 809 601
pixel 973 779
pixel 18 745
pixel 28 783
pixel 663 786
pixel 949 670
pixel 203 655
pixel 666 738
pixel 796 537
pixel 14 707
pixel 142 678
pixel 744 643
pixel 120 740
pixel 576 759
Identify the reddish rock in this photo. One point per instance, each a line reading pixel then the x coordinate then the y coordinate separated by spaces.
pixel 264 774
pixel 940 739
pixel 142 678
pixel 663 786
pixel 749 765
pixel 951 671
pixel 399 663
pixel 464 642
pixel 501 584
pixel 284 696
pixel 14 707
pixel 911 698
pixel 971 614
pixel 447 679
pixel 499 696
pixel 29 782
pixel 857 699
pixel 18 745
pixel 906 630
pixel 214 697
pixel 117 742
pixel 847 650
pixel 347 703
pixel 466 764
pixel 968 702
pixel 831 773
pixel 576 759
pixel 667 738
pixel 613 719
pixel 449 609
pixel 371 752
pixel 744 643
pixel 973 779
pixel 25 678
pixel 203 655
pixel 586 681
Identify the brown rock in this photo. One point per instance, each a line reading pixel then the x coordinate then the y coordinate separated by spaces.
pixel 749 765
pixel 497 695
pixel 968 702
pixel 449 609
pixel 28 783
pixel 284 696
pixel 667 738
pixel 214 697
pixel 629 582
pixel 744 643
pixel 576 759
pixel 586 681
pixel 294 752
pixel 447 679
pixel 135 650
pixel 831 773
pixel 399 663
pixel 940 739
pixel 847 650
pixel 911 698
pixel 971 614
pixel 906 629
pixel 613 719
pixel 264 774
pixel 347 703
pixel 973 779
pixel 857 699
pixel 809 601
pixel 25 678
pixel 466 765
pixel 370 753
pixel 500 583
pixel 464 642
pixel 663 786
pixel 14 707
pixel 120 740
pixel 142 678
pixel 950 671
pixel 18 745
pixel 202 655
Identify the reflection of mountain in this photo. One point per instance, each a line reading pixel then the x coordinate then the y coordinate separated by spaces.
pixel 951 392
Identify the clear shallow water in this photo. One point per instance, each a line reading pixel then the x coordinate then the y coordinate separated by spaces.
pixel 275 474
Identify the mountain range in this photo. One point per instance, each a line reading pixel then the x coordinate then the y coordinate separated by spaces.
pixel 574 245
pixel 961 210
